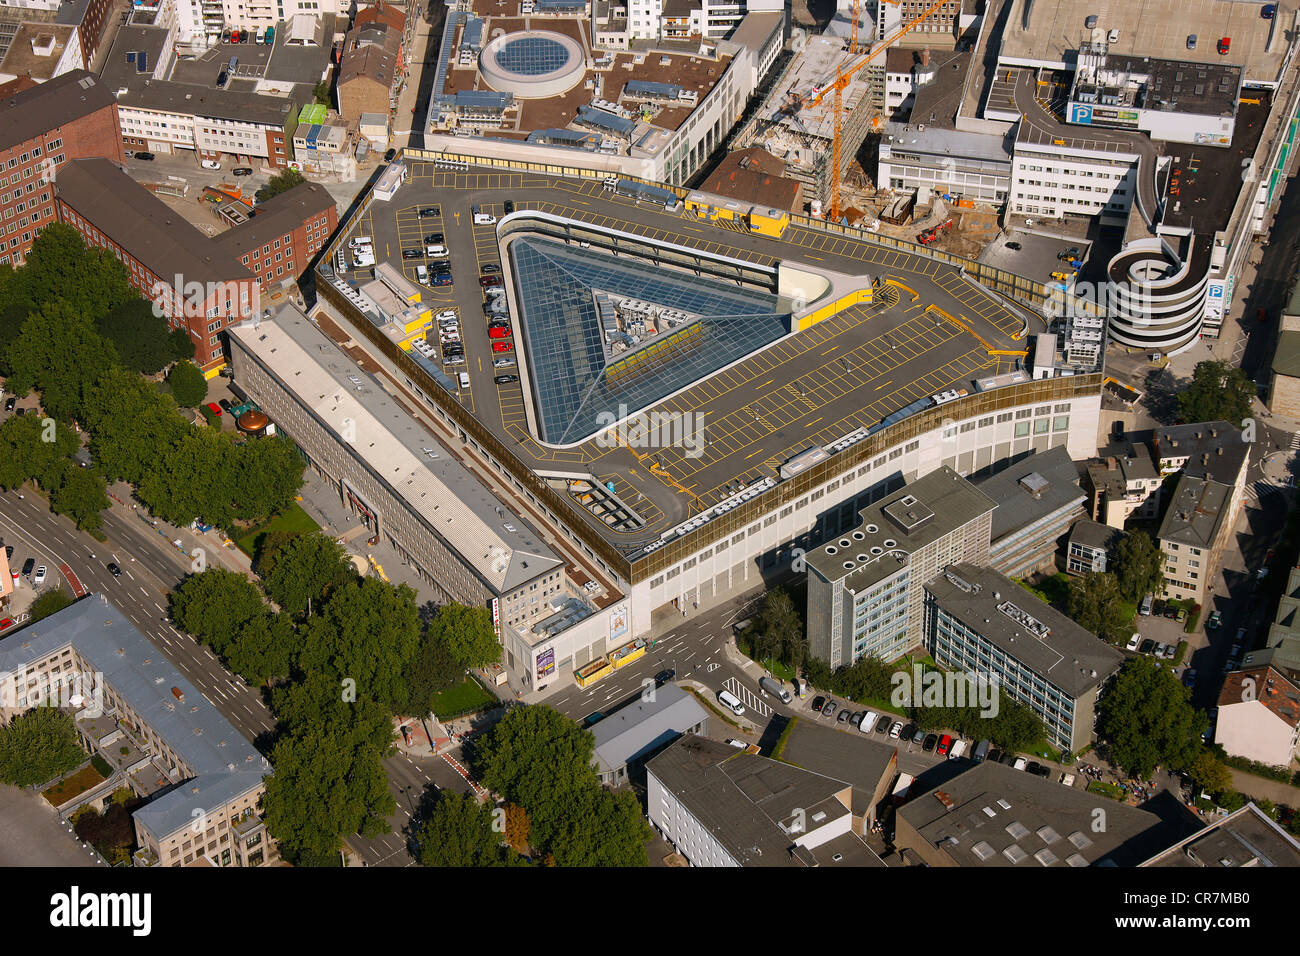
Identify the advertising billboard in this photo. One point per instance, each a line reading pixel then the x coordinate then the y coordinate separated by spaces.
pixel 618 622
pixel 546 663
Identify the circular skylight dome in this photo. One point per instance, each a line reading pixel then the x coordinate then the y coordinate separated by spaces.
pixel 532 64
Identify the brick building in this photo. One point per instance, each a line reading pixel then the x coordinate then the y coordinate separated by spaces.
pixel 372 62
pixel 72 116
pixel 203 285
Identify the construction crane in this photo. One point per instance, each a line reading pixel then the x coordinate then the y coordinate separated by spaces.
pixel 841 82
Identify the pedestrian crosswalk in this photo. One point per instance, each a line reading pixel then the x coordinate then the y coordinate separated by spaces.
pixel 1295 442
pixel 747 697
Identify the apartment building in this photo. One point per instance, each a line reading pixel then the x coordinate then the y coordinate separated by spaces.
pixel 1259 716
pixel 73 116
pixel 278 243
pixel 1123 483
pixel 866 588
pixel 1196 528
pixel 372 63
pixel 198 287
pixel 1092 547
pixel 160 735
pixel 1218 450
pixel 982 623
pixel 160 116
pixel 43 51
pixel 1038 499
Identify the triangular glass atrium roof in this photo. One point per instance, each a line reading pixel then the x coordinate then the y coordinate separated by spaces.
pixel 574 380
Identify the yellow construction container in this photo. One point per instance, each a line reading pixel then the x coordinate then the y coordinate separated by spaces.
pixel 627 654
pixel 590 673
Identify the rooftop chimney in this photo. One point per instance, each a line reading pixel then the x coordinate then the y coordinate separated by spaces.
pixel 925 58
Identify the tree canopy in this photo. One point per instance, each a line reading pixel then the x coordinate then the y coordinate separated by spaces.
pixel 1097 604
pixel 143 341
pixel 279 183
pixel 1217 391
pixel 38 746
pixel 1139 567
pixel 467 633
pixel 458 832
pixel 303 568
pixel 1148 720
pixel 188 385
pixel 777 631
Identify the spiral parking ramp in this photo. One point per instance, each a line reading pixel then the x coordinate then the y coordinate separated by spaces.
pixel 1156 298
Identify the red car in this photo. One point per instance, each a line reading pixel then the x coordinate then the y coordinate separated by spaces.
pixel 214 408
pixel 945 744
pixel 487 281
pixel 6 623
pixel 500 333
pixel 502 347
pixel 1224 45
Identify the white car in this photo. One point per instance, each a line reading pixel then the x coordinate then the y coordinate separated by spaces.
pixel 39 577
pixel 1020 763
pixel 484 219
pixel 446 315
pixel 503 362
pixel 356 242
pixel 211 164
pixel 738 744
pixel 362 260
pixel 422 275
pixel 1133 642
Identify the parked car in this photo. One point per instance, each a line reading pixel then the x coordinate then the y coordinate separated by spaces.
pixel 1020 763
pixel 28 566
pixel 489 268
pixel 945 745
pixel 412 254
pixel 242 171
pixel 211 164
pixel 499 332
pixel 434 239
pixel 1225 44
pixel 505 379
pixel 1180 615
pixel 1032 767
pixel 509 206
pixel 502 347
pixel 389 155
pixel 844 716
pixel 486 281
pixel 9 403
pixel 1133 642
pixel 1014 246
pixel 883 726
pixel 358 242
pixel 918 736
pixel 147 157
pixel 818 703
pixel 928 743
pixel 1189 677
pixel 214 408
pixel 39 578
pixel 1170 651
pixel 1214 621
pixel 738 744
pixel 428 211
pixel 1146 646
pixel 896 729
pixel 1071 253
pixel 503 362
pixel 1042 771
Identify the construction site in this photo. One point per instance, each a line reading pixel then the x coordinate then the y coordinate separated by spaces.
pixel 821 120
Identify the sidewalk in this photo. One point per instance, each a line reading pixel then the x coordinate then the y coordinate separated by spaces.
pixel 1261 788
pixel 183 541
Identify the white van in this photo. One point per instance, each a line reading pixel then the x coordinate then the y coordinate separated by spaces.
pixel 868 722
pixel 728 700
pixel 434 252
pixel 356 242
pixel 363 258
pixel 483 218
pixel 958 748
pixel 463 378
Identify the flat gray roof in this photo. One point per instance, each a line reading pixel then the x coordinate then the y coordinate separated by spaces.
pixel 860 759
pixel 1198 507
pixel 927 509
pixel 1067 655
pixel 938 141
pixel 120 74
pixel 190 98
pixel 1094 534
pixel 994 815
pixel 1155 28
pixel 744 799
pixel 1032 488
pixel 502 547
pixel 224 763
pixel 1245 837
pixel 642 726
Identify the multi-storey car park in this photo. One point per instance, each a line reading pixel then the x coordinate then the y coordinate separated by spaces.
pixel 690 400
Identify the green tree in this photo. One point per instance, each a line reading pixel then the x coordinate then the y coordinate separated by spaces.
pixel 215 605
pixel 1209 772
pixel 280 183
pixel 51 602
pixel 432 670
pixel 368 632
pixel 188 385
pixel 1096 603
pixel 867 677
pixel 1147 718
pixel 467 633
pixel 60 352
pixel 1139 567
pixel 321 93
pixel 34 448
pixel 142 339
pixel 267 473
pixel 601 829
pixel 538 758
pixel 191 479
pixel 1217 391
pixel 458 832
pixel 262 649
pixel 307 568
pixel 37 746
pixel 1015 727
pixel 131 423
pixel 778 630
pixel 80 494
pixel 92 282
